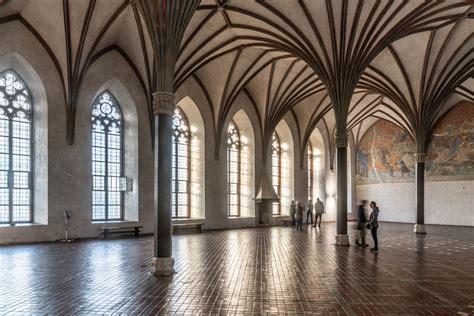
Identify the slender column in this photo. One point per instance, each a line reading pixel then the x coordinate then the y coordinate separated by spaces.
pixel 163 108
pixel 340 142
pixel 420 194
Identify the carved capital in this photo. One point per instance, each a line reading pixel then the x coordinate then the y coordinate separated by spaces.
pixel 420 157
pixel 163 103
pixel 340 140
pixel 163 266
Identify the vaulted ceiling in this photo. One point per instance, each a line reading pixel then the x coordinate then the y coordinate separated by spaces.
pixel 341 62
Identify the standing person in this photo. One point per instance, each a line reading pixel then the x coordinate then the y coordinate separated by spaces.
pixel 319 208
pixel 361 220
pixel 293 212
pixel 299 216
pixel 309 212
pixel 374 224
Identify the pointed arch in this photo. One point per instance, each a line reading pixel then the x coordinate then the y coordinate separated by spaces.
pixel 196 179
pixel 35 123
pixel 287 167
pixel 246 164
pixel 107 158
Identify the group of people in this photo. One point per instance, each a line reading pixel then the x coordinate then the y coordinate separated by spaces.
pixel 296 212
pixel 372 224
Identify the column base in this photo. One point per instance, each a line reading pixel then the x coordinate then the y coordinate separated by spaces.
pixel 420 229
pixel 342 240
pixel 163 267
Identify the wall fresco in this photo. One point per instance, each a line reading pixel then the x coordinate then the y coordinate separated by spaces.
pixel 451 151
pixel 386 153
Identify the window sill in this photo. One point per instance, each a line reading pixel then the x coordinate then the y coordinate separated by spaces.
pixel 187 220
pixel 115 222
pixel 281 216
pixel 22 225
pixel 241 217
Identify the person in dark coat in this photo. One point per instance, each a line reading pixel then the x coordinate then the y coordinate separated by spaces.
pixel 373 225
pixel 293 212
pixel 299 216
pixel 361 220
pixel 309 213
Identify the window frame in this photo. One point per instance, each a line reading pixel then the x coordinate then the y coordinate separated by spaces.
pixel 122 162
pixel 238 149
pixel 31 172
pixel 276 157
pixel 311 177
pixel 175 208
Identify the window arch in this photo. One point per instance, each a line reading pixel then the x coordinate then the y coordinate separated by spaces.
pixel 276 171
pixel 107 159
pixel 233 170
pixel 16 126
pixel 181 160
pixel 310 172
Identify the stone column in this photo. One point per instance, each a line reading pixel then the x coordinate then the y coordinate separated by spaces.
pixel 340 142
pixel 163 109
pixel 420 194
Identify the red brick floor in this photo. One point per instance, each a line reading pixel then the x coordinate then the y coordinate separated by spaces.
pixel 260 271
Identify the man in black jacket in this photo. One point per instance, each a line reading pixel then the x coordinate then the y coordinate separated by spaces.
pixel 361 224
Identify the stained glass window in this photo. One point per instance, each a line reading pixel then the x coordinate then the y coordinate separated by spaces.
pixel 276 171
pixel 310 172
pixel 233 170
pixel 15 150
pixel 107 158
pixel 180 200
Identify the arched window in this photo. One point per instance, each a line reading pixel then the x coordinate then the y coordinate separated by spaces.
pixel 276 171
pixel 310 172
pixel 107 159
pixel 233 170
pixel 181 161
pixel 15 150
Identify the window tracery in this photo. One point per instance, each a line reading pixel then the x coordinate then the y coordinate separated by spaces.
pixel 15 150
pixel 276 171
pixel 181 160
pixel 107 159
pixel 233 170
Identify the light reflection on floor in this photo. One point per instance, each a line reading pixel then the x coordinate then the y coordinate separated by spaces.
pixel 265 270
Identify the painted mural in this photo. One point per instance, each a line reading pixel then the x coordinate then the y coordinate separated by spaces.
pixel 451 151
pixel 386 153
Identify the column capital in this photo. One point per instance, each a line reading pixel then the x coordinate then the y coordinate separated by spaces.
pixel 341 140
pixel 163 103
pixel 420 157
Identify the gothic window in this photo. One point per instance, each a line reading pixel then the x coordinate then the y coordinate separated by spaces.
pixel 107 159
pixel 310 172
pixel 181 159
pixel 16 119
pixel 233 170
pixel 276 171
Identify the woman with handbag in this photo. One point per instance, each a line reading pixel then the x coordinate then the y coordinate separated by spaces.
pixel 373 225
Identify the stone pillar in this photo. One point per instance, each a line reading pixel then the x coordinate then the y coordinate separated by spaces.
pixel 163 109
pixel 420 194
pixel 340 142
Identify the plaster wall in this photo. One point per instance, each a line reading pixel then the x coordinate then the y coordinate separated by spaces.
pixel 446 202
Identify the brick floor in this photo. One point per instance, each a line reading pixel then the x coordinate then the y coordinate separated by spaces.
pixel 260 271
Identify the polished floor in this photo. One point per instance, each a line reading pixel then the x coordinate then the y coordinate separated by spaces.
pixel 260 271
